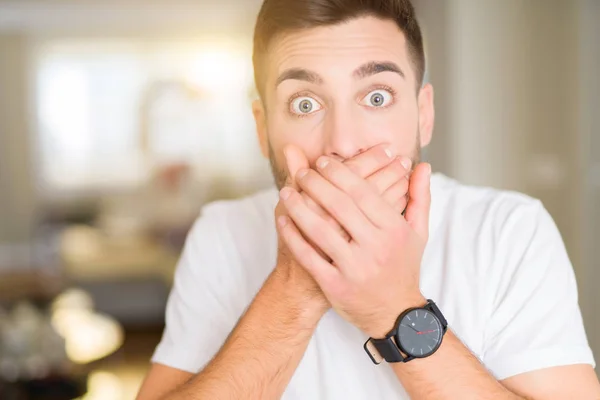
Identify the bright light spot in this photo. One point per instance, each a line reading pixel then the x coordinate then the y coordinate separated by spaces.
pixel 220 71
pixel 88 336
pixel 73 299
pixel 103 385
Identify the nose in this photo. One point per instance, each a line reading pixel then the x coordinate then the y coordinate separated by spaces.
pixel 344 135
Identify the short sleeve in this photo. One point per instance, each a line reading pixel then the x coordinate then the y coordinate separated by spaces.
pixel 535 321
pixel 202 308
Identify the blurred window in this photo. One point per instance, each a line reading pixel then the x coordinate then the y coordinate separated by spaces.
pixel 107 112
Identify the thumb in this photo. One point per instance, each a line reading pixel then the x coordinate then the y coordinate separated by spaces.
pixel 295 160
pixel 417 210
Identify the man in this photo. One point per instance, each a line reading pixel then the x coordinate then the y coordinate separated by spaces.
pixel 365 236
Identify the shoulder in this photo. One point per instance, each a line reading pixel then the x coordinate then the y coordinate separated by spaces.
pixel 233 242
pixel 236 218
pixel 223 265
pixel 502 237
pixel 495 235
pixel 258 206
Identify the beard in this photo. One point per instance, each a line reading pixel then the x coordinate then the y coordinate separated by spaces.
pixel 280 174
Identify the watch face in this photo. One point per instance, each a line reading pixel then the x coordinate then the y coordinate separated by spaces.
pixel 419 333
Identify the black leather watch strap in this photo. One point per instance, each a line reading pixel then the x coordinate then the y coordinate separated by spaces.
pixel 434 308
pixel 388 349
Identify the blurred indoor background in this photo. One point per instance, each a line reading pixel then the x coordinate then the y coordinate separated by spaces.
pixel 120 119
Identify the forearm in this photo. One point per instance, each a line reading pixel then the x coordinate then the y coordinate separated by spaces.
pixel 451 372
pixel 262 352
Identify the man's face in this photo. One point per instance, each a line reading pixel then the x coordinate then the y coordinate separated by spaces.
pixel 340 90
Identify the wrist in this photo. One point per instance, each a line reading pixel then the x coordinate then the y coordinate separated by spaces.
pixel 385 323
pixel 307 304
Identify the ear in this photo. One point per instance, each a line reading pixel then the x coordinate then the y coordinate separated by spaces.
pixel 426 114
pixel 260 118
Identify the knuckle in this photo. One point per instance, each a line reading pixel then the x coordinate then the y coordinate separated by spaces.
pixel 357 191
pixel 307 179
pixel 323 232
pixel 293 206
pixel 354 168
pixel 335 226
pixel 315 227
pixel 317 209
pixel 398 170
pixel 397 167
pixel 343 205
pixel 376 183
pixel 381 255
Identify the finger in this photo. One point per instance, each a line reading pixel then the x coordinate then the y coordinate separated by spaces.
pixel 295 159
pixel 370 161
pixel 338 204
pixel 397 170
pixel 325 215
pixel 313 227
pixel 321 270
pixel 280 210
pixel 397 195
pixel 419 203
pixel 370 203
pixel 320 212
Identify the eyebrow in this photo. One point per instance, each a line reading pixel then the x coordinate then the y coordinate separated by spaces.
pixel 300 74
pixel 364 71
pixel 377 67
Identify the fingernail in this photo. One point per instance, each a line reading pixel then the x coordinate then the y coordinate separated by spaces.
pixel 322 162
pixel 282 221
pixel 389 152
pixel 285 193
pixel 301 174
pixel 428 169
pixel 406 163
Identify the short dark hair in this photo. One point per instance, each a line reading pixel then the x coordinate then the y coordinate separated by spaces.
pixel 280 16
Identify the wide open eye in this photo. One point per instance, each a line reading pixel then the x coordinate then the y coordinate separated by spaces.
pixel 377 98
pixel 304 106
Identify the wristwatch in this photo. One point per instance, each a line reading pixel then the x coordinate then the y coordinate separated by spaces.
pixel 418 333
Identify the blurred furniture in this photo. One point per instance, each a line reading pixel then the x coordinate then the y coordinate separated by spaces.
pixel 128 276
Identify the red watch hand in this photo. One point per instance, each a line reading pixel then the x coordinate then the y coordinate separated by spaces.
pixel 426 332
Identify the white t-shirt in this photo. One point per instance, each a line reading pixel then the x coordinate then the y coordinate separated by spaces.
pixel 495 264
